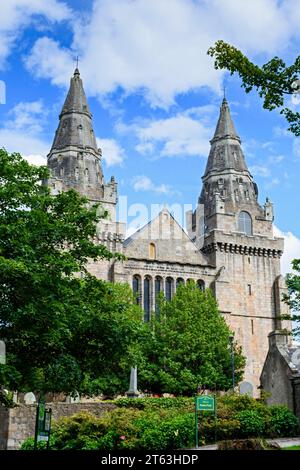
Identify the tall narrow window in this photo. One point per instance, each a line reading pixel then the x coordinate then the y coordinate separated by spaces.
pixel 158 289
pixel 245 223
pixel 201 285
pixel 249 289
pixel 169 288
pixel 152 251
pixel 252 327
pixel 136 287
pixel 147 299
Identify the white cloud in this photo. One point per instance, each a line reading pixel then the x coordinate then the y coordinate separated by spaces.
pixel 180 135
pixel 37 160
pixel 27 117
pixel 275 159
pixel 259 170
pixel 163 51
pixel 19 14
pixel 22 133
pixel 175 136
pixel 112 153
pixel 145 148
pixel 267 145
pixel 47 56
pixel 26 144
pixel 281 132
pixel 144 183
pixel 291 249
pixel 272 183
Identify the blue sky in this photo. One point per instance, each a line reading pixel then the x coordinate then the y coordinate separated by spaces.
pixel 153 91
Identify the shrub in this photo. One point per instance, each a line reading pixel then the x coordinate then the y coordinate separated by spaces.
pixel 178 403
pixel 42 445
pixel 219 429
pixel 282 421
pixel 79 431
pixel 251 423
pixel 168 423
pixel 175 433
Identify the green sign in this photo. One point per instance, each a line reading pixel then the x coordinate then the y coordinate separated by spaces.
pixel 205 403
pixel 43 424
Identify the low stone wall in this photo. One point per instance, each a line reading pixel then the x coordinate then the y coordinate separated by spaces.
pixel 17 424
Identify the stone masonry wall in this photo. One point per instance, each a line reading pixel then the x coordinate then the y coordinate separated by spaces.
pixel 17 424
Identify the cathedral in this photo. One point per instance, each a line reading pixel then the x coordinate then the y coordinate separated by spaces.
pixel 228 245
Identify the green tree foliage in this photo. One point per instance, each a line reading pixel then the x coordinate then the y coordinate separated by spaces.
pixel 274 80
pixel 293 296
pixel 63 331
pixel 188 346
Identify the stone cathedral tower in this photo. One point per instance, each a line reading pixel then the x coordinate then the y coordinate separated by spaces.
pixel 74 162
pixel 236 234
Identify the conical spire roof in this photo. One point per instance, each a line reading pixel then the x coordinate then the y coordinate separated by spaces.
pixel 74 160
pixel 225 127
pixel 226 152
pixel 76 100
pixel 75 120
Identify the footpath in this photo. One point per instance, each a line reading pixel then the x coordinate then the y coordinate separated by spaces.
pixel 282 442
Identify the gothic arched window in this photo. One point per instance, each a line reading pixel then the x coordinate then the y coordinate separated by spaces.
pixel 136 287
pixel 158 289
pixel 201 285
pixel 245 223
pixel 147 291
pixel 152 251
pixel 179 280
pixel 169 288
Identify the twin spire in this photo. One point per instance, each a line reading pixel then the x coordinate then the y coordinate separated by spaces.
pixel 75 131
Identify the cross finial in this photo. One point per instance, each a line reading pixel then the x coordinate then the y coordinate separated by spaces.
pixel 224 92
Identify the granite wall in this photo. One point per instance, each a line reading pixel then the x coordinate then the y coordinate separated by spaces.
pixel 17 424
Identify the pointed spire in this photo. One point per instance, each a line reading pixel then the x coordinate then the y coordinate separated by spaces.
pixel 76 100
pixel 75 120
pixel 225 127
pixel 74 159
pixel 226 152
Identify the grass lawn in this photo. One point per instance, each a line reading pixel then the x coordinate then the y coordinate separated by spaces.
pixel 292 448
